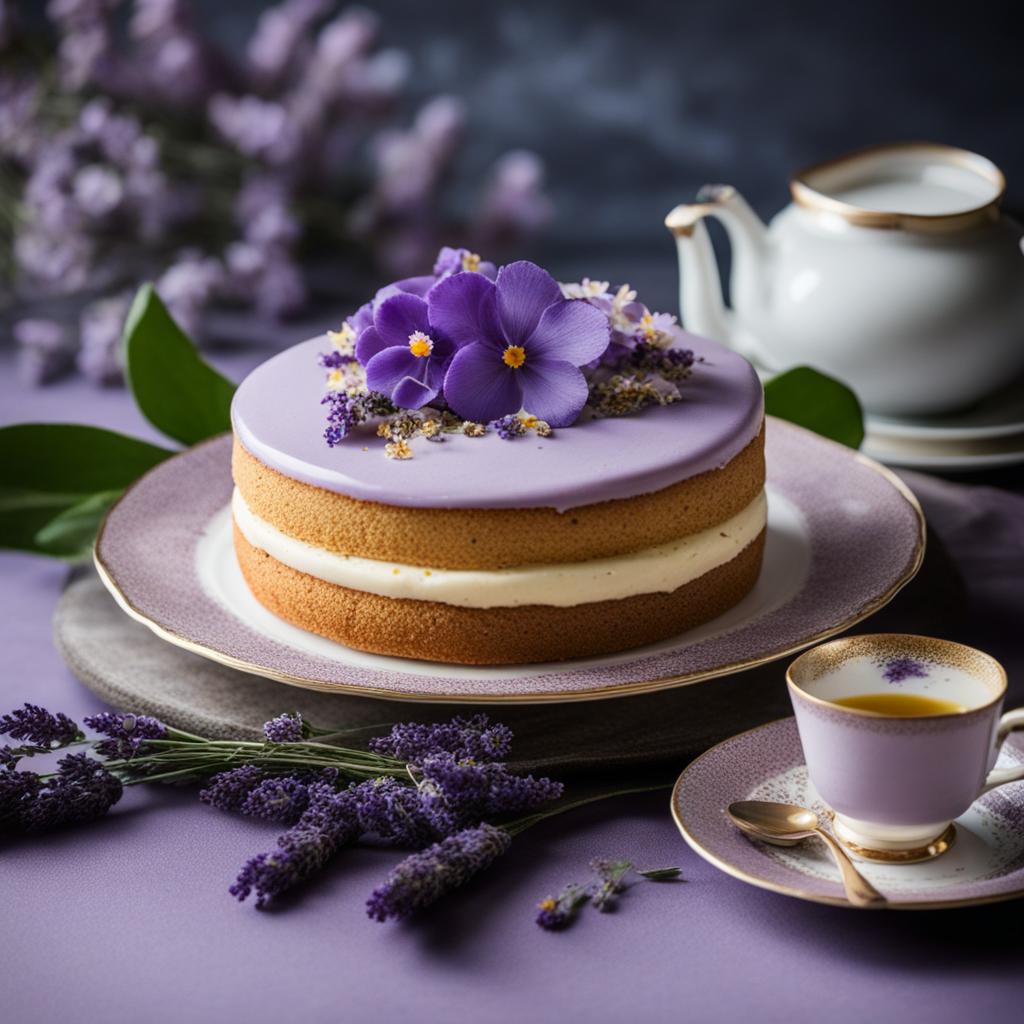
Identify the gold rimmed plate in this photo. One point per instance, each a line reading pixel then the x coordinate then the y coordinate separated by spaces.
pixel 844 535
pixel 984 865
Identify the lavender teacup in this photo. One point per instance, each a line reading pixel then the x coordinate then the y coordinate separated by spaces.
pixel 900 735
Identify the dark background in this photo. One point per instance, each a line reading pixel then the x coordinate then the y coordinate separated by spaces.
pixel 635 104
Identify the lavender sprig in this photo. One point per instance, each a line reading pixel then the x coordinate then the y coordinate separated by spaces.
pixel 39 728
pixel 479 791
pixel 425 877
pixel 126 733
pixel 328 823
pixel 557 912
pixel 474 737
pixel 80 790
pixel 285 729
pixel 610 881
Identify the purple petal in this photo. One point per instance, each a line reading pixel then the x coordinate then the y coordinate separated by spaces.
pixel 398 317
pixel 524 292
pixel 407 286
pixel 479 386
pixel 411 394
pixel 463 307
pixel 387 368
pixel 369 344
pixel 572 330
pixel 553 390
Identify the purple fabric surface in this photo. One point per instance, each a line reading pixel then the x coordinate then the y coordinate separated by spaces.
pixel 130 917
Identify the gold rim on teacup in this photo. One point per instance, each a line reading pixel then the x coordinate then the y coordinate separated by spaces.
pixel 833 653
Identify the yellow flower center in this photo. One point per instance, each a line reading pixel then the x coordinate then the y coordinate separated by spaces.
pixel 514 356
pixel 420 344
pixel 548 904
pixel 471 261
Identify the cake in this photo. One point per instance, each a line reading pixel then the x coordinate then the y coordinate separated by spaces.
pixel 578 520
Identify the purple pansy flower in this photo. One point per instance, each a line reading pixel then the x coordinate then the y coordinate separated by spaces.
pixel 404 353
pixel 520 344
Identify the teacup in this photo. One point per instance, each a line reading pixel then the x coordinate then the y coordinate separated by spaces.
pixel 900 735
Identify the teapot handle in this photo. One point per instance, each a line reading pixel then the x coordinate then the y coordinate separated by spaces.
pixel 700 288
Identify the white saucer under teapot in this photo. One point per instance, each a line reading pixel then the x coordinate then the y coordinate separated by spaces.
pixel 892 269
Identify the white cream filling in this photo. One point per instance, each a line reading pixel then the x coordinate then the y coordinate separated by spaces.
pixel 660 569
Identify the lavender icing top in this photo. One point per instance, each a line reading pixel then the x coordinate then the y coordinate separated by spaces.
pixel 277 415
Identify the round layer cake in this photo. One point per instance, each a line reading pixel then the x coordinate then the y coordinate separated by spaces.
pixel 607 535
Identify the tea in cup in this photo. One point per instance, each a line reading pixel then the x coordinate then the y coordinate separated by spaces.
pixel 900 734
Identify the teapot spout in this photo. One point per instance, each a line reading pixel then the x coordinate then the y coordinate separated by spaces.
pixel 700 289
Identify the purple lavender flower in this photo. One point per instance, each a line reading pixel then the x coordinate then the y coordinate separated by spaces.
pixel 282 799
pixel 508 428
pixel 18 791
pixel 282 289
pixel 557 912
pixel 282 33
pixel 100 328
pixel 39 727
pixel 285 729
pixel 327 824
pixel 404 353
pixel 396 813
pixel 9 758
pixel 46 350
pixel 470 791
pixel 228 791
pixel 81 790
pixel 256 127
pixel 126 732
pixel 896 670
pixel 474 737
pixel 347 411
pixel 513 202
pixel 410 165
pixel 425 877
pixel 520 344
pixel 188 286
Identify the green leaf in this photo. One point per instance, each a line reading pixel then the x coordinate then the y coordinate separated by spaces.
pixel 70 534
pixel 48 468
pixel 177 391
pixel 818 402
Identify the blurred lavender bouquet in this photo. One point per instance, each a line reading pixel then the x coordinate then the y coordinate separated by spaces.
pixel 131 147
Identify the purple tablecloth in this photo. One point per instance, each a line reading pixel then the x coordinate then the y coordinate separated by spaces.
pixel 129 918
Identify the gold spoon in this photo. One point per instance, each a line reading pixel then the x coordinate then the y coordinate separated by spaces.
pixel 786 825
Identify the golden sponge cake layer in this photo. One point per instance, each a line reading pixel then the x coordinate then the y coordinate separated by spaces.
pixel 433 631
pixel 466 538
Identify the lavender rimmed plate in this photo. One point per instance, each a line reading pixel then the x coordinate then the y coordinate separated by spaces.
pixel 984 865
pixel 844 535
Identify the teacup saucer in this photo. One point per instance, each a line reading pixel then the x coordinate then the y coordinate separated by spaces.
pixel 984 865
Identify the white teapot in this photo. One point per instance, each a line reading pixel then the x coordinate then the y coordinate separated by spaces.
pixel 892 269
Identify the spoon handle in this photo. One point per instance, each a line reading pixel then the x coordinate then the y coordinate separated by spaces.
pixel 859 891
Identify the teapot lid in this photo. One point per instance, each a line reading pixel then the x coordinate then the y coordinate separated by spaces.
pixel 917 186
